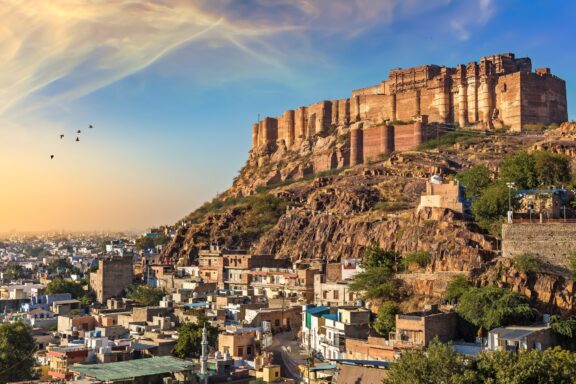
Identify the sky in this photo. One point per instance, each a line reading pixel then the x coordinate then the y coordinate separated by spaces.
pixel 172 88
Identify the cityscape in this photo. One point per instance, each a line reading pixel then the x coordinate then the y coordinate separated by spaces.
pixel 400 217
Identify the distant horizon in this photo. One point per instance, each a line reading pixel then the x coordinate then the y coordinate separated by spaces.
pixel 172 90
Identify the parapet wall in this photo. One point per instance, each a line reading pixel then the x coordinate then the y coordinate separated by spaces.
pixel 552 242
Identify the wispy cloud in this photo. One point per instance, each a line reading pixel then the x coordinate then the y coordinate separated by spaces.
pixel 54 52
pixel 471 15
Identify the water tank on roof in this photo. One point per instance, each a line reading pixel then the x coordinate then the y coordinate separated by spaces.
pixel 436 179
pixel 359 303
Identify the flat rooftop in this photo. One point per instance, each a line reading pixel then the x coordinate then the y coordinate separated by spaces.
pixel 133 368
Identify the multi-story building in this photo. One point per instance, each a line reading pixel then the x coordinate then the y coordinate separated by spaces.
pixel 333 293
pixel 114 275
pixel 284 283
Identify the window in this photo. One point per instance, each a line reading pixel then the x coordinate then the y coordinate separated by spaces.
pixel 277 322
pixel 336 295
pixel 276 374
pixel 240 351
pixel 249 350
pixel 325 294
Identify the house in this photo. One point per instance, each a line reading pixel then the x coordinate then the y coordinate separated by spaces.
pixel 333 293
pixel 61 358
pixel 64 307
pixel 240 344
pixel 521 338
pixel 279 319
pixel 418 329
pixel 347 322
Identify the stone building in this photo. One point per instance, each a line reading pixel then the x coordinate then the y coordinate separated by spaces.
pixel 442 195
pixel 114 274
pixel 411 106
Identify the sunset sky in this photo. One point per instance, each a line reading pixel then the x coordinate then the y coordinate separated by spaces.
pixel 173 86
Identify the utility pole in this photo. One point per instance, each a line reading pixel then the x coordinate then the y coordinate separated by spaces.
pixel 510 186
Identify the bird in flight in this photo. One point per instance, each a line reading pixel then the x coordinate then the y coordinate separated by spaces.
pixel 61 137
pixel 90 126
pixel 77 139
pixel 78 131
pixel 51 157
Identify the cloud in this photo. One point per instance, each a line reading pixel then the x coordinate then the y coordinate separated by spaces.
pixel 470 16
pixel 55 52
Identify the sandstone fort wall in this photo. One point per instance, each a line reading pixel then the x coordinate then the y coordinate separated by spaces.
pixel 552 242
pixel 499 91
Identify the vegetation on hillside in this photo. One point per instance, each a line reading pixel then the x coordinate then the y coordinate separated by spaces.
pixel 491 198
pixel 491 307
pixel 377 281
pixel 440 363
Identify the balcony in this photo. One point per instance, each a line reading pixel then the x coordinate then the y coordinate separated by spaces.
pixel 340 344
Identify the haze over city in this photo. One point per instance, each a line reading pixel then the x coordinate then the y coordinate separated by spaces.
pixel 173 87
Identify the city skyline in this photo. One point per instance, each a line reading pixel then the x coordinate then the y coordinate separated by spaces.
pixel 173 88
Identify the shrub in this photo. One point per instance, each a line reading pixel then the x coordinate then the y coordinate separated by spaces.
pixel 386 320
pixel 528 262
pixel 419 258
pixel 475 180
pixel 457 287
pixel 492 307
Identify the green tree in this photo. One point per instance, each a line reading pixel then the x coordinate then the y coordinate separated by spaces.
pixel 16 352
pixel 492 203
pixel 62 267
pixel 572 263
pixel 375 283
pixel 551 169
pixel 439 364
pixel 564 327
pixel 536 169
pixel 145 294
pixel 59 285
pixel 492 307
pixel 145 242
pixel 386 319
pixel 475 180
pixel 375 257
pixel 551 366
pixel 14 272
pixel 190 338
pixel 520 169
pixel 457 287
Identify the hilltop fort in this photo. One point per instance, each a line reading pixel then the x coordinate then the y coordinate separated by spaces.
pixel 412 106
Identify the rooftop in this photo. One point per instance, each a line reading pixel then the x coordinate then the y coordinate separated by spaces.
pixel 133 368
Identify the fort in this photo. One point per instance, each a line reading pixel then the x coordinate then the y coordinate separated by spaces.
pixel 416 104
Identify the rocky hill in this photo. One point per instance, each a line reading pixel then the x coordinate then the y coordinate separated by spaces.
pixel 337 214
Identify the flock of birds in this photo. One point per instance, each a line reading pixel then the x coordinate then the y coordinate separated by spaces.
pixel 78 132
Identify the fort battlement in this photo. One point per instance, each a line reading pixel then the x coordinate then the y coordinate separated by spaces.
pixel 501 91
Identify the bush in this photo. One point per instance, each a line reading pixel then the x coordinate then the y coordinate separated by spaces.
pixel 386 320
pixel 572 263
pixel 564 327
pixel 375 257
pixel 475 180
pixel 419 258
pixel 59 285
pixel 528 262
pixel 492 307
pixel 457 287
pixel 145 294
pixel 493 203
pixel 536 169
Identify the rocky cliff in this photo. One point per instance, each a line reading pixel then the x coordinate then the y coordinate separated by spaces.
pixel 336 214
